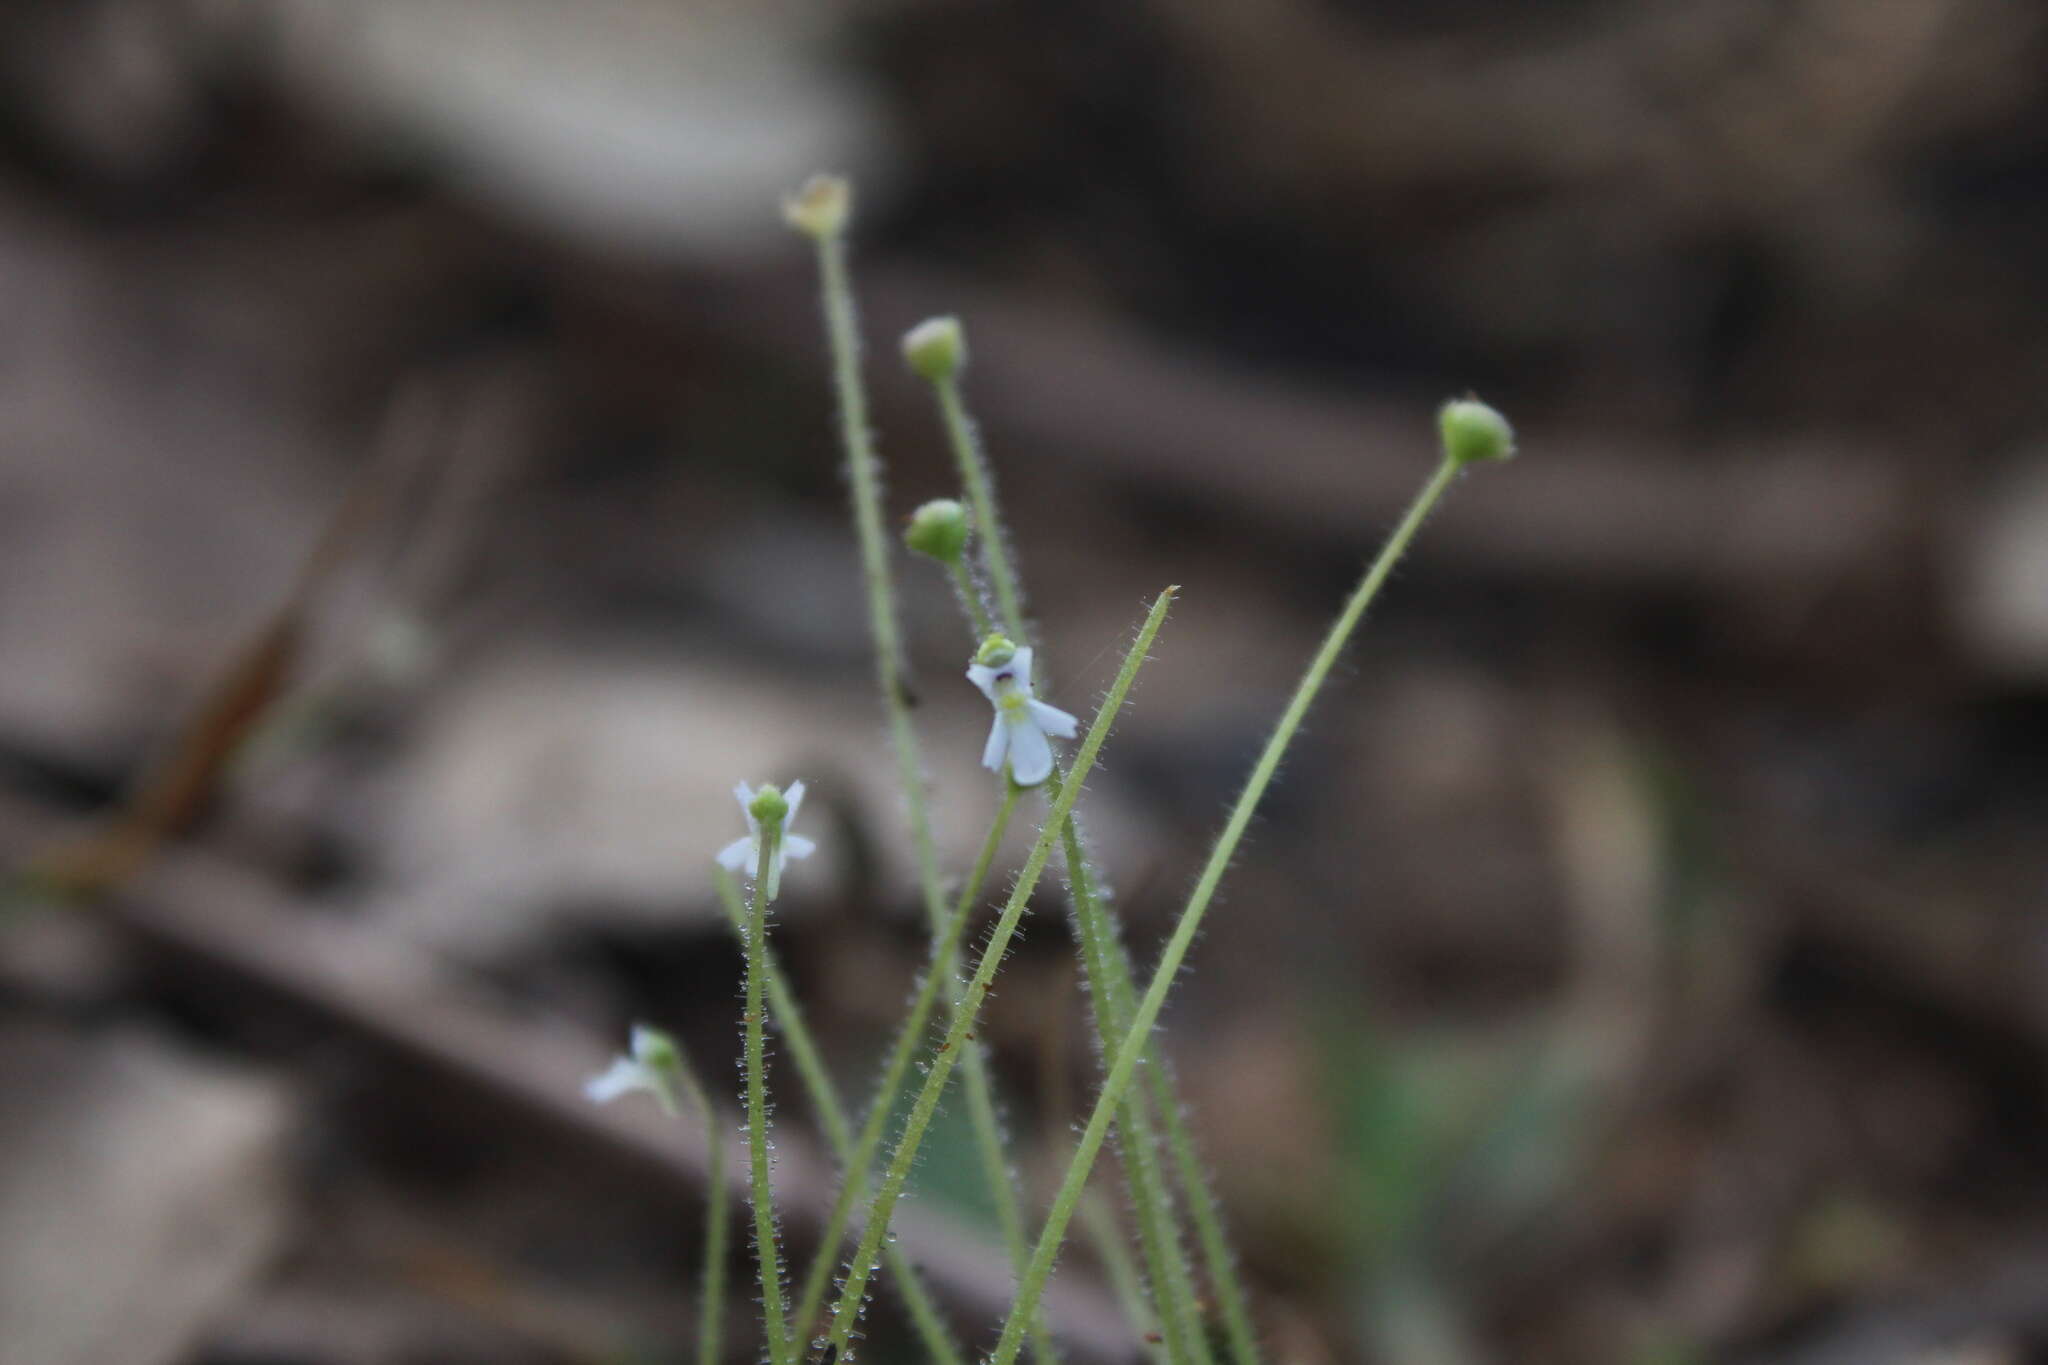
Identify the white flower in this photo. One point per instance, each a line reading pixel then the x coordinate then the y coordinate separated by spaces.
pixel 744 855
pixel 1022 721
pixel 652 1067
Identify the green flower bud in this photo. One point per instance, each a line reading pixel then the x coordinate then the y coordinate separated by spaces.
pixel 936 349
pixel 768 807
pixel 996 651
pixel 656 1050
pixel 820 208
pixel 1473 432
pixel 938 530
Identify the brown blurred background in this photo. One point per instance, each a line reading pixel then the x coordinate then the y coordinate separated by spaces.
pixel 1644 957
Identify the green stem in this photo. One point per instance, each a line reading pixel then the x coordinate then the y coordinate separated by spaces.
pixel 864 482
pixel 1107 1239
pixel 995 1169
pixel 842 331
pixel 796 1033
pixel 847 1311
pixel 717 1215
pixel 1207 1217
pixel 766 1248
pixel 1194 1181
pixel 1137 1037
pixel 803 1050
pixel 1106 968
pixel 859 1160
pixel 981 495
pixel 1109 995
pixel 969 593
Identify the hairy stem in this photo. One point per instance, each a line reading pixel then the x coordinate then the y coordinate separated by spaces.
pixel 1108 1240
pixel 1207 1217
pixel 842 331
pixel 1124 1066
pixel 766 1246
pixel 981 496
pixel 995 1170
pixel 969 593
pixel 817 1080
pixel 1109 996
pixel 1194 1181
pixel 789 1019
pixel 847 1311
pixel 717 1216
pixel 859 1160
pixel 864 482
pixel 1108 970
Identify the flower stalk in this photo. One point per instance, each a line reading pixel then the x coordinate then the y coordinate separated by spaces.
pixel 802 1047
pixel 937 351
pixel 846 1312
pixel 768 810
pixel 1136 1038
pixel 656 1066
pixel 1106 969
pixel 859 1160
pixel 717 1218
pixel 821 211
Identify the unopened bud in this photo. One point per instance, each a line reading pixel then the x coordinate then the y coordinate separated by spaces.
pixel 996 651
pixel 1472 432
pixel 820 208
pixel 938 530
pixel 936 349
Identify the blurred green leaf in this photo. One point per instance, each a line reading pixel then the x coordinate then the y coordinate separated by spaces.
pixel 1402 1112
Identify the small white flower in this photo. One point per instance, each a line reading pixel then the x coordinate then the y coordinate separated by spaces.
pixel 651 1067
pixel 1022 721
pixel 744 855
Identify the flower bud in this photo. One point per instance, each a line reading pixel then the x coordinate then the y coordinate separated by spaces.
pixel 1472 432
pixel 936 349
pixel 820 208
pixel 996 651
pixel 656 1050
pixel 938 530
pixel 768 806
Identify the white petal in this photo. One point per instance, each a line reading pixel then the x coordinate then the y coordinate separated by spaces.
pixel 737 855
pixel 1030 754
pixel 998 745
pixel 744 794
pixel 622 1077
pixel 983 677
pixel 1054 721
pixel 796 846
pixel 795 797
pixel 1021 664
